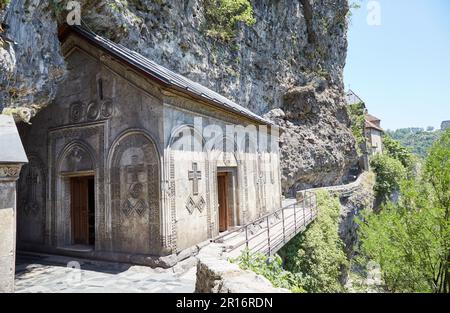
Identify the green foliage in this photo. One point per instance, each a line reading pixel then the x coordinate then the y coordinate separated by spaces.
pixel 411 239
pixel 223 16
pixel 395 164
pixel 437 169
pixel 389 172
pixel 356 113
pixel 270 268
pixel 4 4
pixel 312 260
pixel 396 150
pixel 318 253
pixel 353 5
pixel 417 140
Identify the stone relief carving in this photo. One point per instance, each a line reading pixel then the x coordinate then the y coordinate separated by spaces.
pixel 135 203
pixel 135 195
pixel 93 111
pixel 31 201
pixel 32 188
pixel 201 204
pixel 76 112
pixel 190 205
pixel 198 204
pixel 76 160
pixel 195 175
pixel 173 209
pixel 11 171
pixel 208 199
pixel 106 108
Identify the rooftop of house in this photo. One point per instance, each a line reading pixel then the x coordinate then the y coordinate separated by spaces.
pixel 163 75
pixel 372 118
pixel 370 124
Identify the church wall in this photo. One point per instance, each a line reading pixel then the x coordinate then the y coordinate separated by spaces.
pixel 256 177
pixel 98 103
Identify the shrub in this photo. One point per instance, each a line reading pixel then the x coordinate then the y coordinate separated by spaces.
pixel 389 172
pixel 318 254
pixel 271 268
pixel 356 114
pixel 396 150
pixel 411 239
pixel 223 16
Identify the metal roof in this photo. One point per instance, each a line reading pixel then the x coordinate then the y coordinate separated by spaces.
pixel 166 76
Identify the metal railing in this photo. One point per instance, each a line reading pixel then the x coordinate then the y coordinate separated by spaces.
pixel 272 231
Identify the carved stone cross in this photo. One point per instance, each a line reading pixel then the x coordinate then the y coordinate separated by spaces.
pixel 134 169
pixel 195 176
pixel 32 180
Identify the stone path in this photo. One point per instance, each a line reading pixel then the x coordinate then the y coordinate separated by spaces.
pixel 46 273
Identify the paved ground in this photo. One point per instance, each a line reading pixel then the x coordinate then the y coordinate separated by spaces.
pixel 44 273
pixel 49 273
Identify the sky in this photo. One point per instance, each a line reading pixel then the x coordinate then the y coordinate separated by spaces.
pixel 399 63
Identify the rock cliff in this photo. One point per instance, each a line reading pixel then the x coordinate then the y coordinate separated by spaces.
pixel 287 65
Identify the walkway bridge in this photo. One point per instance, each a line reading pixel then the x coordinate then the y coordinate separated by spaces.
pixel 271 232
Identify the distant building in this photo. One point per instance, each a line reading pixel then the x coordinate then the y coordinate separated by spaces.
pixel 373 134
pixel 372 128
pixel 352 98
pixel 445 125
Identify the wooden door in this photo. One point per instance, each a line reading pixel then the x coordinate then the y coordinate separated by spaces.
pixel 80 210
pixel 223 201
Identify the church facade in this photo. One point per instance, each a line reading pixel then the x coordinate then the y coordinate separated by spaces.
pixel 133 159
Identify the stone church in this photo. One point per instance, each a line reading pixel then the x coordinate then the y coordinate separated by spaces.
pixel 119 167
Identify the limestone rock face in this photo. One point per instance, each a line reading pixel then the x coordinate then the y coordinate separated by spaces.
pixel 30 61
pixel 361 199
pixel 291 59
pixel 316 146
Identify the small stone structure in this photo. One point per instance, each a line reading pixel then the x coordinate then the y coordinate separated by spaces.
pixel 12 157
pixel 215 275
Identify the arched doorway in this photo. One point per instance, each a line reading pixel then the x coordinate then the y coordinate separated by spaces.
pixel 75 190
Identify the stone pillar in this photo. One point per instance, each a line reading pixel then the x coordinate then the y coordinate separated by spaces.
pixel 12 157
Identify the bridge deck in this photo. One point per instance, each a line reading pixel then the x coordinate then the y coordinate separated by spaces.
pixel 271 232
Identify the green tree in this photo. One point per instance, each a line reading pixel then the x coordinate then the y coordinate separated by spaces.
pixel 318 254
pixel 437 173
pixel 389 172
pixel 356 114
pixel 416 139
pixel 396 150
pixel 410 239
